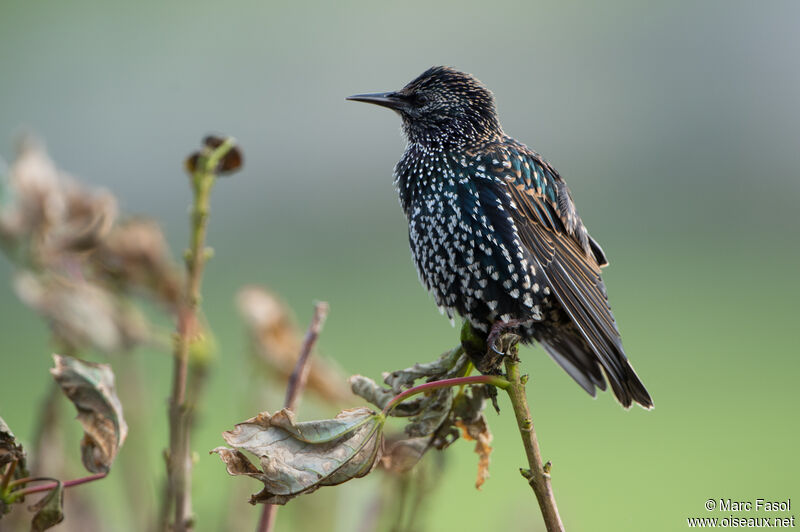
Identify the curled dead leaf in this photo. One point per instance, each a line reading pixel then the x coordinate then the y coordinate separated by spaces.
pixel 90 387
pixel 298 458
pixel 401 455
pixel 49 212
pixel 83 314
pixel 449 363
pixel 478 431
pixel 468 411
pixel 49 510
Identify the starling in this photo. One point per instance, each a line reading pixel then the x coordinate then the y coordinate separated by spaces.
pixel 495 235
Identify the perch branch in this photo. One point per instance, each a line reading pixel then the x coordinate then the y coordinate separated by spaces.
pixel 538 475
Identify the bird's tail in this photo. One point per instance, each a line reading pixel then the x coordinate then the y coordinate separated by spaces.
pixel 569 349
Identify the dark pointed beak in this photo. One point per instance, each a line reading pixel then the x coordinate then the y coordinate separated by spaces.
pixel 392 100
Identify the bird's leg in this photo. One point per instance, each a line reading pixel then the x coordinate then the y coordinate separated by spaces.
pixel 497 330
pixel 487 351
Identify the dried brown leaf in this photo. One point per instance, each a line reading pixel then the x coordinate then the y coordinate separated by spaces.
pixel 90 387
pixel 83 314
pixel 401 455
pixel 478 431
pixel 298 458
pixel 450 362
pixel 50 213
pixel 469 417
pixel 135 256
pixel 434 411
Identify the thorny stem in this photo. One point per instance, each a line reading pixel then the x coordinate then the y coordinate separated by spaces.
pixel 297 381
pixel 493 380
pixel 538 475
pixel 178 492
pixel 47 487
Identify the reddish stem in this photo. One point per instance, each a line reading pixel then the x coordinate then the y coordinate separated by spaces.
pixel 494 380
pixel 51 485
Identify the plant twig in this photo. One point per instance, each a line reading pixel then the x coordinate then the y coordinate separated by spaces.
pixel 7 476
pixel 47 487
pixel 298 378
pixel 297 382
pixel 538 475
pixel 492 380
pixel 178 490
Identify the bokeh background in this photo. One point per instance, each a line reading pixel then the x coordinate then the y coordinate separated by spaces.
pixel 676 124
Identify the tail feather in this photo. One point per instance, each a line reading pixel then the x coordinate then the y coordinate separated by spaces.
pixel 571 351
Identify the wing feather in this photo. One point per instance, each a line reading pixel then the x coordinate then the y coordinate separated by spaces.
pixel 570 262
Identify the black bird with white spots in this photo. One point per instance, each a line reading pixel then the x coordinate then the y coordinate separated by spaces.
pixel 495 235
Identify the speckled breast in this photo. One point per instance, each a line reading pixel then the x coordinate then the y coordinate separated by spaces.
pixel 464 242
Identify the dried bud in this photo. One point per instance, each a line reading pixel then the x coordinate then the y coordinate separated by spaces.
pixel 227 164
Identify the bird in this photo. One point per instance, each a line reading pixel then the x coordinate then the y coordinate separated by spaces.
pixel 495 235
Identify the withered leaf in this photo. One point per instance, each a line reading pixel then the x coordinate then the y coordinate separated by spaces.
pixel 90 387
pixel 298 458
pixel 434 411
pixel 373 393
pixel 468 410
pixel 449 362
pixel 49 510
pixel 81 313
pixel 478 431
pixel 402 455
pixel 10 450
pixel 135 255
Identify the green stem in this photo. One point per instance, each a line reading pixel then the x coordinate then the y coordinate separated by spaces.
pixel 178 492
pixel 538 475
pixel 492 380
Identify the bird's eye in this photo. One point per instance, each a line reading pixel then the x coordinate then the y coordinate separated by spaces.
pixel 421 99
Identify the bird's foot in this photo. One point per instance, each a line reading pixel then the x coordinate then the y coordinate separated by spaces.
pixel 497 331
pixel 487 352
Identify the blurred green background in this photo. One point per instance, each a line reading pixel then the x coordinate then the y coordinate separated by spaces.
pixel 676 124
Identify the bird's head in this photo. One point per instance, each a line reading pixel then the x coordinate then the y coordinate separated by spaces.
pixel 442 107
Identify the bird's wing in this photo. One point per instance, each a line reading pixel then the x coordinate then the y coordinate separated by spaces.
pixel 565 256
